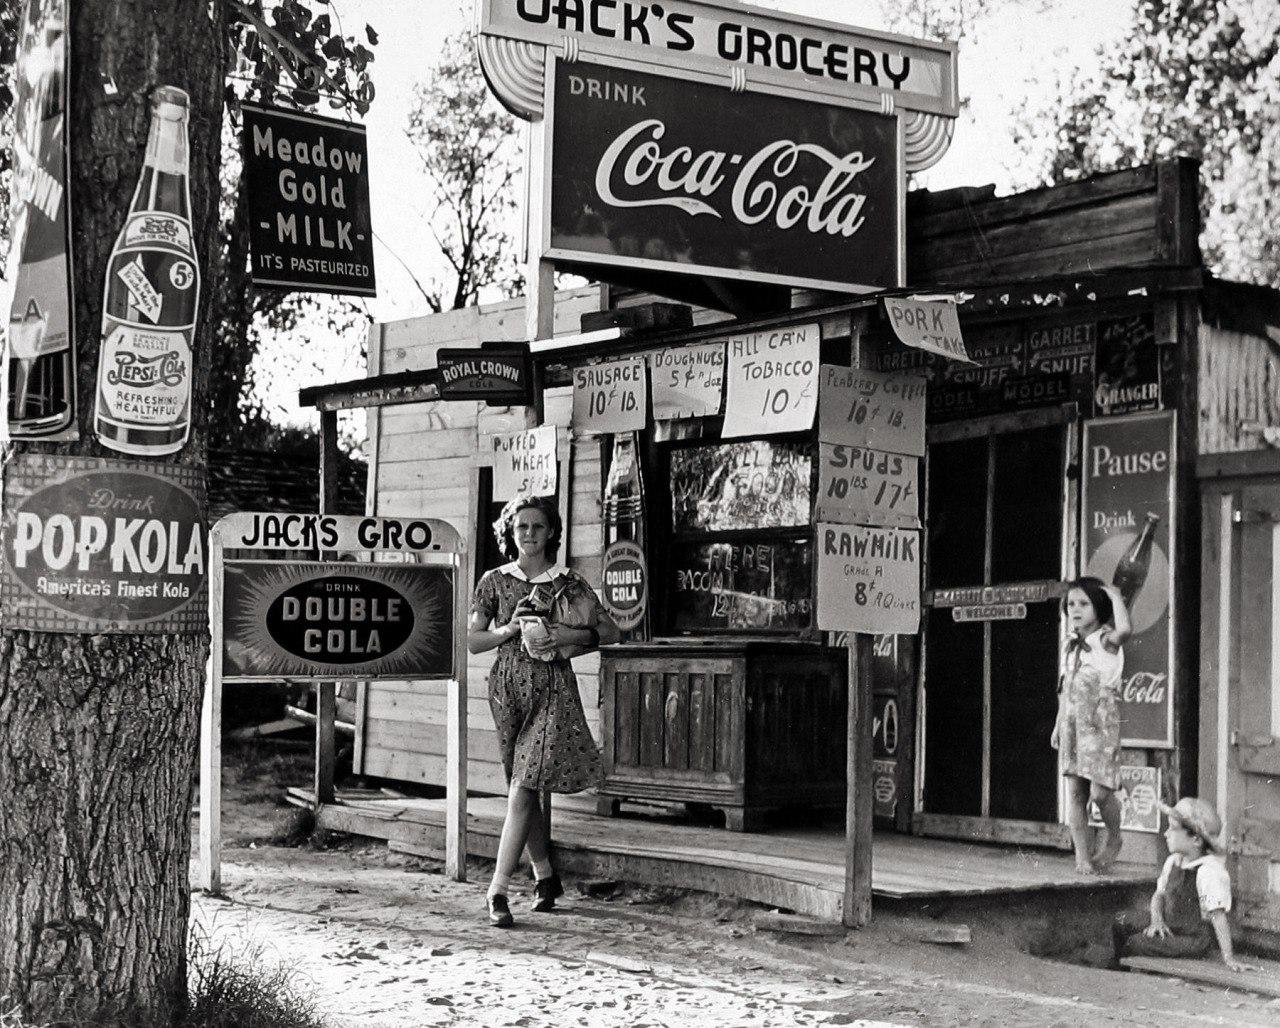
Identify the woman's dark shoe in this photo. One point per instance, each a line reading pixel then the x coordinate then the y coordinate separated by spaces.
pixel 545 893
pixel 500 912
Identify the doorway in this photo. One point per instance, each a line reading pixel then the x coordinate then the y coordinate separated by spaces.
pixel 1001 537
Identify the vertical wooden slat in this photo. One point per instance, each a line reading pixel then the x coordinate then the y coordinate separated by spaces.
pixel 651 719
pixel 626 725
pixel 701 723
pixel 676 716
pixel 724 741
pixel 211 737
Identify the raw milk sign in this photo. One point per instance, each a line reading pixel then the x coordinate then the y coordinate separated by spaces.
pixel 308 188
pixel 772 381
pixel 868 579
pixel 610 397
pixel 524 463
pixel 95 545
pixel 1128 480
pixel 688 381
pixel 872 409
pixel 333 620
pixel 857 485
pixel 930 325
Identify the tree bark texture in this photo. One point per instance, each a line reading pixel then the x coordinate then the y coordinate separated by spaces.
pixel 99 734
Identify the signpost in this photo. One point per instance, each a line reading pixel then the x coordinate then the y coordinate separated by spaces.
pixel 283 609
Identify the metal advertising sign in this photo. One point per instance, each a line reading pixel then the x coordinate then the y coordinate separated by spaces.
pixel 524 463
pixel 499 375
pixel 1139 794
pixel 307 180
pixel 1126 507
pixel 688 381
pixel 94 545
pixel 625 580
pixel 772 381
pixel 872 409
pixel 40 352
pixel 868 579
pixel 1128 366
pixel 990 612
pixel 611 396
pixel 679 175
pixel 285 619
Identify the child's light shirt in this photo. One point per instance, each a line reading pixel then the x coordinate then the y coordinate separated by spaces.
pixel 1213 881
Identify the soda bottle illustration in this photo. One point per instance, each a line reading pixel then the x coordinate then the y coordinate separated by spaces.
pixel 624 530
pixel 150 299
pixel 1132 570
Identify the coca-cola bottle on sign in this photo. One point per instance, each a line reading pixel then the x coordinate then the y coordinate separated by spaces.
pixel 1132 570
pixel 150 299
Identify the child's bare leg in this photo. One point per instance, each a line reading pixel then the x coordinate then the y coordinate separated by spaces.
pixel 1078 822
pixel 1109 806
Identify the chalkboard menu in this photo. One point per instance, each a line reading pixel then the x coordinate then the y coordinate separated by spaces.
pixel 742 586
pixel 757 483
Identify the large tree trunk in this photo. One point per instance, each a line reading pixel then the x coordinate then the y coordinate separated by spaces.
pixel 98 734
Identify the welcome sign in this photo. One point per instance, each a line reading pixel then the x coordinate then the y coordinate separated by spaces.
pixel 653 172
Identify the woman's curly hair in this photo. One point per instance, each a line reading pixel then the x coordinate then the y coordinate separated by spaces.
pixel 504 527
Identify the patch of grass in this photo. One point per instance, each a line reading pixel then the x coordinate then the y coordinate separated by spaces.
pixel 11 1016
pixel 243 990
pixel 298 828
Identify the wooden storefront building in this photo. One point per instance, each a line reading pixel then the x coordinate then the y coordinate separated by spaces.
pixel 1098 382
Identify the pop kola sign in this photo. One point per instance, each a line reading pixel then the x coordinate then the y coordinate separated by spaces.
pixel 307 180
pixel 96 546
pixel 649 171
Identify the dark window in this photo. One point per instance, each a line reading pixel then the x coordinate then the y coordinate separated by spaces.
pixel 1026 525
pixel 957 513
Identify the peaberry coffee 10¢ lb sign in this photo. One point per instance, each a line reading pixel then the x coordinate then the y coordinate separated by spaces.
pixel 648 171
pixel 95 545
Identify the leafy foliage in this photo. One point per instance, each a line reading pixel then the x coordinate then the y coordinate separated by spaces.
pixel 945 19
pixel 1194 77
pixel 470 153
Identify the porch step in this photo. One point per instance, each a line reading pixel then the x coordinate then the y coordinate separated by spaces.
pixel 1264 982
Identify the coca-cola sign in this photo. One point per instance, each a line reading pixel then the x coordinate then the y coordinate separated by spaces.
pixel 96 545
pixel 1128 535
pixel 651 172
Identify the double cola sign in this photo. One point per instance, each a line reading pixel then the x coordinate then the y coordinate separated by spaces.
pixel 651 172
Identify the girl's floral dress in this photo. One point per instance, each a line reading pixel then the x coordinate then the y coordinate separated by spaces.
pixel 1089 712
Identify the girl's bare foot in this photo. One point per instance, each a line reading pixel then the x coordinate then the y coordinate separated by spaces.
pixel 1085 867
pixel 1108 851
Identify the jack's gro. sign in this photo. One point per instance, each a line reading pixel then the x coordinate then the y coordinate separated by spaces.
pixel 658 173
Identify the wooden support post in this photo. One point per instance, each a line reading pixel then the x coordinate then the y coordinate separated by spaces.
pixel 858 799
pixel 455 815
pixel 326 692
pixel 539 275
pixel 211 781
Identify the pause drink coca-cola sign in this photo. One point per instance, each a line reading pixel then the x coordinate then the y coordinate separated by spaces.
pixel 651 172
pixel 150 300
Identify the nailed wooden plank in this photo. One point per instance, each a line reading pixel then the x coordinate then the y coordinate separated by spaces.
pixel 1117 250
pixel 1265 981
pixel 790 924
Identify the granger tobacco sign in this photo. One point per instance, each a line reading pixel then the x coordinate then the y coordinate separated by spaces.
pixel 307 181
pixel 1128 477
pixel 677 175
pixel 96 545
pixel 285 619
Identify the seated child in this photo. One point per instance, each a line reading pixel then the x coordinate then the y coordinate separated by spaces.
pixel 1193 894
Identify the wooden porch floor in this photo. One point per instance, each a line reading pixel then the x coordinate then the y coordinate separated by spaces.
pixel 799 869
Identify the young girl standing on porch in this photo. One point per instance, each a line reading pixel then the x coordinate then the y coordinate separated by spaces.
pixel 1087 732
pixel 533 694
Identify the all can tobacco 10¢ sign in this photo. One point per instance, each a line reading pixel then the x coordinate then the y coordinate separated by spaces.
pixel 96 545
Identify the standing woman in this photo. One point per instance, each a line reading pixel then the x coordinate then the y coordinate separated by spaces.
pixel 1087 733
pixel 533 694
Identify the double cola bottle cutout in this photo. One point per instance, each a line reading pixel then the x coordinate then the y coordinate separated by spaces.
pixel 1132 570
pixel 150 299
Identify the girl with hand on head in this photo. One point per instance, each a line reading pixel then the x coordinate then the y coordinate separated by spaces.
pixel 1087 732
pixel 533 694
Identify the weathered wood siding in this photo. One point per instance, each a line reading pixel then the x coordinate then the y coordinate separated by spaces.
pixel 424 463
pixel 1144 217
pixel 1239 379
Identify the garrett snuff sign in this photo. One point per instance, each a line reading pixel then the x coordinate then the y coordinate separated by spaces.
pixel 95 545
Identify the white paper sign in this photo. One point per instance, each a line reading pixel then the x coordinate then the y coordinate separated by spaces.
pixel 931 325
pixel 524 463
pixel 868 579
pixel 610 397
pixel 687 381
pixel 857 485
pixel 772 381
pixel 879 410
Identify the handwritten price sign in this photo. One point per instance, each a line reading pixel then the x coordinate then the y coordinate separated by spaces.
pixel 610 397
pixel 931 325
pixel 773 381
pixel 868 579
pixel 859 485
pixel 524 463
pixel 687 381
pixel 872 409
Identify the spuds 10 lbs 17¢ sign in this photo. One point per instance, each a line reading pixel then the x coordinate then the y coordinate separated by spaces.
pixel 305 619
pixel 96 545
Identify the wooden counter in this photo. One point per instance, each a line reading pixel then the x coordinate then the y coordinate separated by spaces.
pixel 743 726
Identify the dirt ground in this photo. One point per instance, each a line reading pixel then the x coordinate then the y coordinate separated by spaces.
pixel 380 940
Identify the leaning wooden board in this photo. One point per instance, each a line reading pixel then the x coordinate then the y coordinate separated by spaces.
pixel 1265 982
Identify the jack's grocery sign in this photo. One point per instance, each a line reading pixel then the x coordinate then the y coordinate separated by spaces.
pixel 94 545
